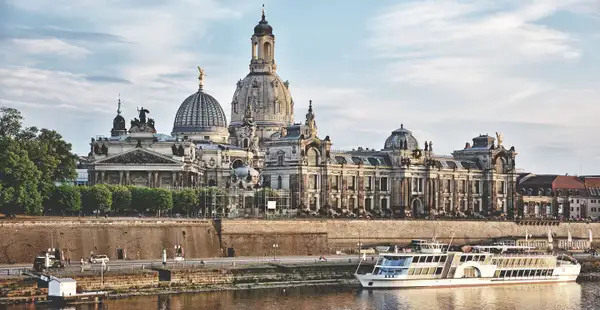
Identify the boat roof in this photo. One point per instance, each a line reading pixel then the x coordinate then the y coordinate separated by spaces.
pixel 514 247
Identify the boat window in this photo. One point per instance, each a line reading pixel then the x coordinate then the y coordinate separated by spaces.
pixel 429 259
pixel 520 273
pixel 482 258
pixel 463 258
pixel 442 259
pixel 431 270
pixel 438 270
pixel 411 271
pixel 502 273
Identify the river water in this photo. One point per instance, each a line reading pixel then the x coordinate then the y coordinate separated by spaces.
pixel 530 297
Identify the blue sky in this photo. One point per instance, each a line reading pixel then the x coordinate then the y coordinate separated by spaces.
pixel 447 70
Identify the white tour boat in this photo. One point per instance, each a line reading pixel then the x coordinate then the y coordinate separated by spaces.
pixel 433 266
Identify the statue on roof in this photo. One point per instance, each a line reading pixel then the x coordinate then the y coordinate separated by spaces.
pixel 200 77
pixel 499 138
pixel 142 114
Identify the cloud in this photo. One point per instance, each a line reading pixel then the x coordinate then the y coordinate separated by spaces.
pixel 106 79
pixel 48 46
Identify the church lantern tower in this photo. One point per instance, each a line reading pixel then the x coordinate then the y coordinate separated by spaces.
pixel 262 91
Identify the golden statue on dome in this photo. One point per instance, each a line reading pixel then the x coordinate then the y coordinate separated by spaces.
pixel 201 76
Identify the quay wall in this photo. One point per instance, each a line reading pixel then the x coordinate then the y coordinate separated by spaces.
pixel 145 238
pixel 21 241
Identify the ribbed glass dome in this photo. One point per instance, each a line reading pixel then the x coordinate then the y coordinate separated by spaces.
pixel 401 138
pixel 199 112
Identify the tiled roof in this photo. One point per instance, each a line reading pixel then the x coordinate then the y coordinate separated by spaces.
pixel 567 182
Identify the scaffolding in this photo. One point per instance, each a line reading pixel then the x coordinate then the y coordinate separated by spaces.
pixel 264 203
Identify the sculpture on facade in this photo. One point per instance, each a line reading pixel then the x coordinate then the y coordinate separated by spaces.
pixel 142 124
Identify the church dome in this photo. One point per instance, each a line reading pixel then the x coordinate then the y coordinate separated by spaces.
pixel 119 123
pixel 270 99
pixel 201 117
pixel 401 138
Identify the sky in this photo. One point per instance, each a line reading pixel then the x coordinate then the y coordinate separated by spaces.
pixel 447 70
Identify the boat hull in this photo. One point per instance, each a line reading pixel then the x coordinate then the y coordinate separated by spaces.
pixel 369 281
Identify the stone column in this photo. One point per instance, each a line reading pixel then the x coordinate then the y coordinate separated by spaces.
pixel 127 178
pixel 96 177
pixel 173 179
pixel 156 180
pixel 120 177
pixel 102 180
pixel 149 182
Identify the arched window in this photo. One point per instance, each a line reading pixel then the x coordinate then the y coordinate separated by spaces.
pixel 368 204
pixel 237 163
pixel 313 157
pixel 212 182
pixel 267 51
pixel 246 143
pixel 279 182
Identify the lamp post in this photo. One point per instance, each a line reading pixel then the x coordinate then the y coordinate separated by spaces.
pixel 359 245
pixel 275 246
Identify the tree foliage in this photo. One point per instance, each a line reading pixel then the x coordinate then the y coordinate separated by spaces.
pixel 147 199
pixel 65 198
pixel 49 156
pixel 121 199
pixel 96 198
pixel 19 179
pixel 185 201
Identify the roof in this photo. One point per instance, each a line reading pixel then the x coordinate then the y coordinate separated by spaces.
pixel 200 112
pixel 538 180
pixel 63 280
pixel 567 182
pixel 592 181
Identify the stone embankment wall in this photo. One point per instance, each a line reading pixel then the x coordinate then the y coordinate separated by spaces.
pixel 20 241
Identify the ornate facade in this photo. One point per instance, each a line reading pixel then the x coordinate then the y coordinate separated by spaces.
pixel 263 146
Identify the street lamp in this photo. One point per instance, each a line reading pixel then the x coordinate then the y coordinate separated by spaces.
pixel 275 246
pixel 359 245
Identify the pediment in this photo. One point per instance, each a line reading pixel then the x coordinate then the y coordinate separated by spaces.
pixel 138 157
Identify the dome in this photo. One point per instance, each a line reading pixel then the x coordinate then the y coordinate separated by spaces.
pixel 119 123
pixel 263 28
pixel 270 98
pixel 200 114
pixel 400 138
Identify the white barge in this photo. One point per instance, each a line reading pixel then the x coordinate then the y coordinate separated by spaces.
pixel 433 266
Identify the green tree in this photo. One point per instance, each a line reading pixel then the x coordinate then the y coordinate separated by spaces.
pixel 162 200
pixel 96 198
pixel 10 122
pixel 65 198
pixel 140 198
pixel 19 180
pixel 185 201
pixel 121 198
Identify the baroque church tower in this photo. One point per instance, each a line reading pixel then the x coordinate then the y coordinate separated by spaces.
pixel 261 92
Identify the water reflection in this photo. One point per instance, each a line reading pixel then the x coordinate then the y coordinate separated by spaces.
pixel 570 296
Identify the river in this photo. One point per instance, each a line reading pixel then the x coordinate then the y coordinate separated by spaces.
pixel 547 297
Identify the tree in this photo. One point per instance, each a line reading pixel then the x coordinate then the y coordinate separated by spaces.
pixel 65 198
pixel 121 198
pixel 19 180
pixel 162 200
pixel 48 151
pixel 96 198
pixel 263 195
pixel 140 199
pixel 185 200
pixel 10 122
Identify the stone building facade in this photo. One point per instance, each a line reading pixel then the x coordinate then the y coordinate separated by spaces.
pixel 263 146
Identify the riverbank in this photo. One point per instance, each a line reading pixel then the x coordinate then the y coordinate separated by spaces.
pixel 155 281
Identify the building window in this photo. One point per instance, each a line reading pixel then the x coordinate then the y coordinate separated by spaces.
pixel 368 183
pixel 315 181
pixel 384 203
pixel 279 182
pixel 384 184
pixel 335 182
pixel 352 183
pixel 463 185
pixel 280 159
pixel 477 187
pixel 368 204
